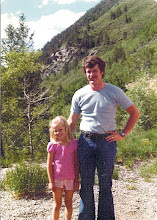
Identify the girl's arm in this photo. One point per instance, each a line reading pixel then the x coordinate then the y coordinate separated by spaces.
pixel 50 171
pixel 76 187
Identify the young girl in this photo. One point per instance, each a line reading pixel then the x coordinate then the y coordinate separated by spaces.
pixel 62 165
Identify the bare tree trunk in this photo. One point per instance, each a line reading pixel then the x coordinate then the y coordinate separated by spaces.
pixel 30 129
pixel 32 98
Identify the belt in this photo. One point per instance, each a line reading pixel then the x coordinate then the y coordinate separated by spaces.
pixel 94 136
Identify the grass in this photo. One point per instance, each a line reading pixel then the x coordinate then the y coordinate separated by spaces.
pixel 148 170
pixel 137 146
pixel 7 162
pixel 131 187
pixel 25 180
pixel 115 175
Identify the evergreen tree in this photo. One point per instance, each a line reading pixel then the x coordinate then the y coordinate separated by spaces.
pixel 113 15
pixel 124 35
pixel 106 39
pixel 18 39
pixel 119 53
pixel 21 90
pixel 125 8
pixel 118 12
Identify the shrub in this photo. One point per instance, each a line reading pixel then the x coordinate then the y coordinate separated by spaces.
pixel 146 101
pixel 26 180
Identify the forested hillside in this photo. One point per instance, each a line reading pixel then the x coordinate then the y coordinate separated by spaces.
pixel 37 86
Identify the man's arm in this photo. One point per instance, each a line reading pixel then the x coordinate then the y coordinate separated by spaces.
pixel 72 120
pixel 134 115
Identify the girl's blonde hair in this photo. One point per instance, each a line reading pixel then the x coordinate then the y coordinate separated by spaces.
pixel 60 120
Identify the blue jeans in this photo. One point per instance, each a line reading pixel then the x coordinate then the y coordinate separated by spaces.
pixel 91 155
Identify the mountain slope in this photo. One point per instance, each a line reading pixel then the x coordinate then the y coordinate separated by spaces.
pixel 91 15
pixel 123 33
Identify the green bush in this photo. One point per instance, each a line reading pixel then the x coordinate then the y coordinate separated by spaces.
pixel 26 180
pixel 146 101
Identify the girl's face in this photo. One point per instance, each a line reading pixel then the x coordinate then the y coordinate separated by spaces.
pixel 59 132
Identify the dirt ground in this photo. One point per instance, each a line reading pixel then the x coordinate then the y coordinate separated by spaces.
pixel 134 199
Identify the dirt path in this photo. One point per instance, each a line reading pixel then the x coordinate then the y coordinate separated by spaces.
pixel 134 199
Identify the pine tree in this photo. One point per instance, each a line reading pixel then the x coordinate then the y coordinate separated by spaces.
pixel 21 88
pixel 18 39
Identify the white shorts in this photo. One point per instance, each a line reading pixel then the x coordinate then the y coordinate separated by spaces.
pixel 64 184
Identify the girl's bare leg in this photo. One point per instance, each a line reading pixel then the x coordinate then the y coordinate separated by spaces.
pixel 68 204
pixel 57 196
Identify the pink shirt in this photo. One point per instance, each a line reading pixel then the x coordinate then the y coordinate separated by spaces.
pixel 64 159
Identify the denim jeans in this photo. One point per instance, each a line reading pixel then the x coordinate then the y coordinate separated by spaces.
pixel 98 154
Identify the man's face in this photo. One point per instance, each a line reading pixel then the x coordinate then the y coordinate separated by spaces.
pixel 94 75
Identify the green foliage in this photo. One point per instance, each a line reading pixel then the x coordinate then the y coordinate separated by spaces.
pixel 149 30
pixel 40 138
pixel 26 180
pixel 20 82
pixel 147 171
pixel 115 175
pixel 65 96
pixel 119 53
pixel 18 39
pixel 19 65
pixel 21 92
pixel 139 145
pixel 146 101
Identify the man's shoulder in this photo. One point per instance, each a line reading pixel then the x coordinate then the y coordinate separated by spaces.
pixel 113 89
pixel 82 90
pixel 111 86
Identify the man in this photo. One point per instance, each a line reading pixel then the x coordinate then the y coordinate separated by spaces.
pixel 97 144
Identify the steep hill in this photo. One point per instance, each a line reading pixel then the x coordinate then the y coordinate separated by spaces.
pixel 124 33
pixel 71 33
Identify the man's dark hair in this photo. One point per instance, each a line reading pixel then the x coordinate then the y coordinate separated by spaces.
pixel 91 61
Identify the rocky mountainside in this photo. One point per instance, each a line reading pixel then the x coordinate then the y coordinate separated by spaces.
pixel 58 59
pixel 65 55
pixel 113 29
pixel 70 33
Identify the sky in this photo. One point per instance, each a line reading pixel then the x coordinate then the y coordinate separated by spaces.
pixel 46 18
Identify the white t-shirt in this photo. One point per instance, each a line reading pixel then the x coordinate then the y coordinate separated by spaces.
pixel 98 108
